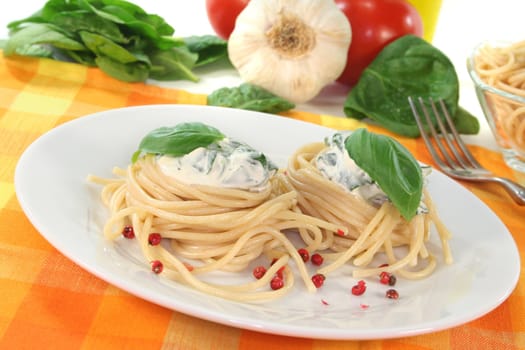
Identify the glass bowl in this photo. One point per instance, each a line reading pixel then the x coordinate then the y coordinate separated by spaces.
pixel 503 107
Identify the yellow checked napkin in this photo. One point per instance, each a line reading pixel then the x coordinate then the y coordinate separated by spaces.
pixel 48 302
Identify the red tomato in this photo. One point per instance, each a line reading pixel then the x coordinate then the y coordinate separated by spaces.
pixel 222 15
pixel 375 23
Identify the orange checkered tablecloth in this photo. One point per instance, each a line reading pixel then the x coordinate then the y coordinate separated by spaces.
pixel 48 302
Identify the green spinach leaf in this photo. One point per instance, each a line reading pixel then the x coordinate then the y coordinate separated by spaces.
pixel 210 48
pixel 45 14
pixel 81 20
pixel 391 166
pixel 136 20
pixel 132 72
pixel 102 46
pixel 250 97
pixel 178 140
pixel 125 12
pixel 38 51
pixel 465 122
pixel 173 64
pixel 408 66
pixel 118 36
pixel 37 34
pixel 86 58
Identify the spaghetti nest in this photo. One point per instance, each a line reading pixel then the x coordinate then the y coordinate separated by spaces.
pixel 504 69
pixel 206 229
pixel 371 230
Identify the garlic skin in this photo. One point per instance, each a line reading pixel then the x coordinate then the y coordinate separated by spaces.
pixel 292 48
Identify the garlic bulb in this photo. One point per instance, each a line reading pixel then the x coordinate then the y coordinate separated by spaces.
pixel 292 48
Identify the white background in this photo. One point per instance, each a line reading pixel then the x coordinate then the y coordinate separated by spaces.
pixel 462 24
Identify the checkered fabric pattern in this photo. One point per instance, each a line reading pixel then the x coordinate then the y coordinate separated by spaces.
pixel 48 302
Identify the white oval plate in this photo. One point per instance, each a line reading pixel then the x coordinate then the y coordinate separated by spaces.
pixel 51 186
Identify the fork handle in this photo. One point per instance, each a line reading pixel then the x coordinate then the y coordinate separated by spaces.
pixel 517 192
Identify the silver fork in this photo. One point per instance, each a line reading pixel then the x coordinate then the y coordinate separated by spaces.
pixel 449 151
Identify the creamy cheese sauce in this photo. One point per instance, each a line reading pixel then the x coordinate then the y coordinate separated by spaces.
pixel 228 164
pixel 335 164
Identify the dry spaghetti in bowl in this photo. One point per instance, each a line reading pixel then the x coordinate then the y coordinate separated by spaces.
pixel 498 72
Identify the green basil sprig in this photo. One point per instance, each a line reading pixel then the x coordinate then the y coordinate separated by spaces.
pixel 391 166
pixel 178 140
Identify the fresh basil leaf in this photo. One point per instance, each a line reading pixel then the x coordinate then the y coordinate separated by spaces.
pixel 391 166
pixel 180 139
pixel 250 97
pixel 135 156
pixel 210 48
pixel 408 66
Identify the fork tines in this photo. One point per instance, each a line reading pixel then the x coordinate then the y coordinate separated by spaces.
pixel 443 134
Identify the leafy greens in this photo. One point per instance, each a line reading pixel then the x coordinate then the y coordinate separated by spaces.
pixel 183 138
pixel 391 166
pixel 119 37
pixel 178 140
pixel 408 66
pixel 249 97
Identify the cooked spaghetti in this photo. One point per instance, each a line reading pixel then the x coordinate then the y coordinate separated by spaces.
pixel 375 226
pixel 219 205
pixel 206 228
pixel 504 68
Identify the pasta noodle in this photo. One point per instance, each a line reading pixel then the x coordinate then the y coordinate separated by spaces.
pixel 371 230
pixel 213 228
pixel 187 231
pixel 504 68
